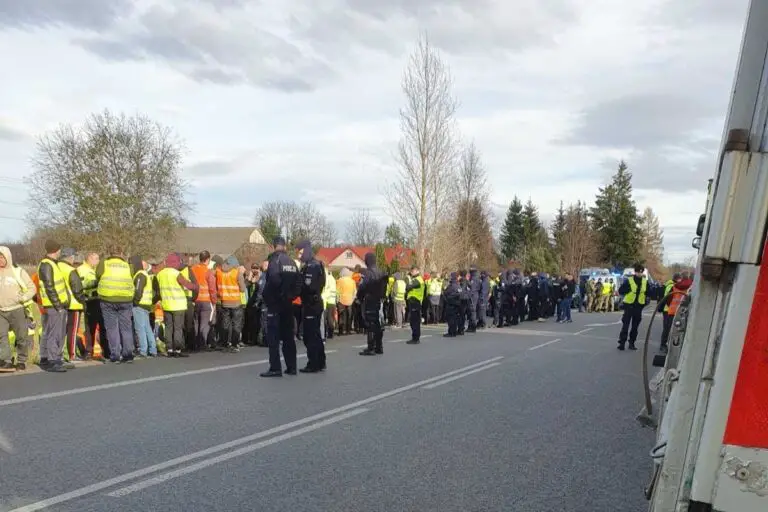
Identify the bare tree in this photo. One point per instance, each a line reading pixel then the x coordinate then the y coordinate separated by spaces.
pixel 577 241
pixel 445 254
pixel 473 223
pixel 652 248
pixel 295 221
pixel 363 229
pixel 112 185
pixel 420 196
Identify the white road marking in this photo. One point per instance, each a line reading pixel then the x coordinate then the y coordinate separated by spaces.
pixel 176 473
pixel 530 332
pixel 544 344
pixel 144 472
pixel 584 330
pixel 99 387
pixel 461 376
pixel 604 325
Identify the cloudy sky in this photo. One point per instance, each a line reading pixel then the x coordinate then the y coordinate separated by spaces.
pixel 299 99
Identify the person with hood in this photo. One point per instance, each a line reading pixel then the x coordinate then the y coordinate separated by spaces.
pixel 16 294
pixel 230 284
pixel 170 286
pixel 373 286
pixel 144 300
pixel 671 304
pixel 532 291
pixel 463 281
pixel 54 297
pixel 312 306
pixel 414 296
pixel 452 306
pixel 482 303
pixel 282 286
pixel 346 289
pixel 76 302
pixel 115 288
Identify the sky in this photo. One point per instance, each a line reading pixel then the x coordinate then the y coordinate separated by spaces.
pixel 299 99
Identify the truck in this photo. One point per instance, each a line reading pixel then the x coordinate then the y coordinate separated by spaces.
pixel 711 405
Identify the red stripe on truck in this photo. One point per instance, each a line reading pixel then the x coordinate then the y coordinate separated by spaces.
pixel 748 419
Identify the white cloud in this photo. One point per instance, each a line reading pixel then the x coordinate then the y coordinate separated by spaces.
pixel 290 100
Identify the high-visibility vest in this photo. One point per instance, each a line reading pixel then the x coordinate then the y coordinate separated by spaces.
pixel 675 301
pixel 147 292
pixel 418 292
pixel 59 285
pixel 400 290
pixel 632 296
pixel 185 272
pixel 201 275
pixel 67 269
pixel 435 287
pixel 668 286
pixel 172 297
pixel 229 289
pixel 607 288
pixel 88 277
pixel 329 292
pixel 390 285
pixel 117 281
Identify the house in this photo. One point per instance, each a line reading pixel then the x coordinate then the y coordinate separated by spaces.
pixel 246 243
pixel 350 256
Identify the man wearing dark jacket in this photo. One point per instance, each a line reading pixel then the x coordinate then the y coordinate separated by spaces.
pixel 452 306
pixel 281 287
pixel 370 293
pixel 474 299
pixel 635 292
pixel 312 305
pixel 55 298
pixel 482 303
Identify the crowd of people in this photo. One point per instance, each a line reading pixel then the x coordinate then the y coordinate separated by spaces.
pixel 117 309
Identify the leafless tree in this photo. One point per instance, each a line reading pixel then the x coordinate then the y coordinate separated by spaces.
pixel 444 253
pixel 112 185
pixel 652 248
pixel 578 242
pixel 363 229
pixel 295 221
pixel 473 221
pixel 420 196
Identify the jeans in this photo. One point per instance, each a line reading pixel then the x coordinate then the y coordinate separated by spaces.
pixel 144 331
pixel 564 310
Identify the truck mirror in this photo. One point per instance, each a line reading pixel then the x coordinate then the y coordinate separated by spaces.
pixel 700 225
pixel 696 242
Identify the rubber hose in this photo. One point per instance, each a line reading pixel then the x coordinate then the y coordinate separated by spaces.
pixel 644 362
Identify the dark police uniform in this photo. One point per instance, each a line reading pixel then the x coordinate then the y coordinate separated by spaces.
pixel 370 292
pixel 281 287
pixel 313 282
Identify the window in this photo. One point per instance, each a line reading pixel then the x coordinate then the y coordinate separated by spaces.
pixel 348 255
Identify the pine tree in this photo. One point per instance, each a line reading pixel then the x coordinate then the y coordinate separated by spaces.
pixel 558 230
pixel 511 240
pixel 381 260
pixel 532 226
pixel 393 236
pixel 615 220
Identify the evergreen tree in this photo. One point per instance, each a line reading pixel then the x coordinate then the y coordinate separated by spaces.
pixel 511 239
pixel 381 260
pixel 615 220
pixel 559 228
pixel 393 236
pixel 532 226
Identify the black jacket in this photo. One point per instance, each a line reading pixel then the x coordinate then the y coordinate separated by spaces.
pixel 45 274
pixel 283 280
pixel 313 282
pixel 372 288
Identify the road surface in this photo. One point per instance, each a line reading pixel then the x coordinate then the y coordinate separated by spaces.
pixel 538 417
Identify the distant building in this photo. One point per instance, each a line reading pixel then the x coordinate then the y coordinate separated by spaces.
pixel 350 256
pixel 246 243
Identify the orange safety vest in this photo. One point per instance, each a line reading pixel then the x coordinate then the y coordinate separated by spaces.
pixel 229 290
pixel 200 272
pixel 675 301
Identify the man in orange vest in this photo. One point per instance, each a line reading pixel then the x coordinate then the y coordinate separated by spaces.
pixel 205 303
pixel 230 283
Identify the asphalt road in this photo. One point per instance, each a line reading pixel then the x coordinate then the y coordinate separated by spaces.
pixel 538 417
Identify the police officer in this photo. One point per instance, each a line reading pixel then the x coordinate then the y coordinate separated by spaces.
pixel 281 287
pixel 414 295
pixel 312 305
pixel 452 305
pixel 370 293
pixel 635 292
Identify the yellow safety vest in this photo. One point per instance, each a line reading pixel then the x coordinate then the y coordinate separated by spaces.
pixel 172 297
pixel 329 292
pixel 418 292
pixel 67 269
pixel 631 297
pixel 116 283
pixel 400 290
pixel 390 285
pixel 607 287
pixel 147 293
pixel 185 273
pixel 435 287
pixel 88 277
pixel 668 286
pixel 59 285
